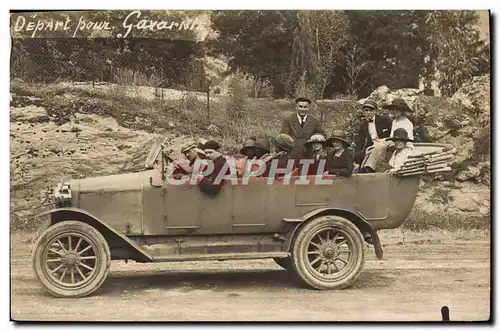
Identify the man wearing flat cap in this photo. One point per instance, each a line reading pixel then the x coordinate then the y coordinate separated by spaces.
pixel 301 126
pixel 373 127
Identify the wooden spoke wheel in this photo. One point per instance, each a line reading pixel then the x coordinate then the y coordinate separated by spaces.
pixel 71 259
pixel 328 253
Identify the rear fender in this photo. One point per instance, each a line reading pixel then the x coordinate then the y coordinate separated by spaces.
pixel 115 239
pixel 355 218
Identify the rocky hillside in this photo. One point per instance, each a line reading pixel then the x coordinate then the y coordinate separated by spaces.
pixel 70 130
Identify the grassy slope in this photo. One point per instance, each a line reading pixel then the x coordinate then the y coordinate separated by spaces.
pixel 111 125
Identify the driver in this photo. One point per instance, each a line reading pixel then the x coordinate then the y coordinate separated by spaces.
pixel 191 153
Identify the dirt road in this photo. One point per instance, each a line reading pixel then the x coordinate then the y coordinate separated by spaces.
pixel 412 283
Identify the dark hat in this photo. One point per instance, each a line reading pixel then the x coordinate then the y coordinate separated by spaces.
pixel 201 142
pixel 338 135
pixel 284 141
pixel 370 104
pixel 400 134
pixel 315 139
pixel 211 144
pixel 263 144
pixel 399 104
pixel 302 99
pixel 249 144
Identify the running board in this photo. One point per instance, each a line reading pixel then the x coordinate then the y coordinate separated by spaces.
pixel 219 257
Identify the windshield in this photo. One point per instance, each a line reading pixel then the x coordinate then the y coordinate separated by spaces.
pixel 154 152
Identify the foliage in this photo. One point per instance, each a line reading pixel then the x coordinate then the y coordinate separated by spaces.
pixel 49 60
pixel 317 39
pixel 456 50
pixel 356 65
pixel 257 42
pixel 386 47
pixel 249 85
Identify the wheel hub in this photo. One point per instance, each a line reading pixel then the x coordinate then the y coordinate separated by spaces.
pixel 329 251
pixel 71 259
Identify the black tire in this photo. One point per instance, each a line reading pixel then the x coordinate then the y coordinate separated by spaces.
pixel 284 262
pixel 312 254
pixel 82 250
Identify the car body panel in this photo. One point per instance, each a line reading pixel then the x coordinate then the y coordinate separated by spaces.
pixel 146 204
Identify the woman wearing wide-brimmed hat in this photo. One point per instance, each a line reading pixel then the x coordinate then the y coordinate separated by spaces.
pixel 319 155
pixel 247 152
pixel 341 161
pixel 400 155
pixel 248 148
pixel 399 110
pixel 253 149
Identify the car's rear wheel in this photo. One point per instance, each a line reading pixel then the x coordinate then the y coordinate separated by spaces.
pixel 284 262
pixel 328 253
pixel 71 259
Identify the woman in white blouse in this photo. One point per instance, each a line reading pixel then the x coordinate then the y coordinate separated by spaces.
pixel 398 111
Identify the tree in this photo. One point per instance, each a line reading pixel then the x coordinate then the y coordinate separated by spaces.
pixel 317 40
pixel 256 42
pixel 356 66
pixel 457 51
pixel 394 42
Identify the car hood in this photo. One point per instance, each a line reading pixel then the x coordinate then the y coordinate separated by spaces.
pixel 112 183
pixel 116 200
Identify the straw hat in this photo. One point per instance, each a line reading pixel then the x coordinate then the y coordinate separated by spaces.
pixel 315 139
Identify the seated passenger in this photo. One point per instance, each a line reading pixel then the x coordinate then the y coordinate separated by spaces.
pixel 209 184
pixel 283 146
pixel 398 113
pixel 372 128
pixel 341 161
pixel 316 144
pixel 254 150
pixel 262 147
pixel 248 148
pixel 400 155
pixel 248 152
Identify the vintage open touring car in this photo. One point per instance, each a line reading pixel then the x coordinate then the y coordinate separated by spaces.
pixel 317 231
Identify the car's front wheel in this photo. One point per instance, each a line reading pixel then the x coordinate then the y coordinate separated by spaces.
pixel 328 253
pixel 71 259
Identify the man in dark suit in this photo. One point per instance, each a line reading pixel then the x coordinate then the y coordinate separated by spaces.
pixel 372 127
pixel 212 184
pixel 301 126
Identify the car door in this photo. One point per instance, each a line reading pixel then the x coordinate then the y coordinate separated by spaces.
pixel 249 212
pixel 373 195
pixel 182 214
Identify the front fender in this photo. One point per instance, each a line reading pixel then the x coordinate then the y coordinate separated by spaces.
pixel 71 213
pixel 354 217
